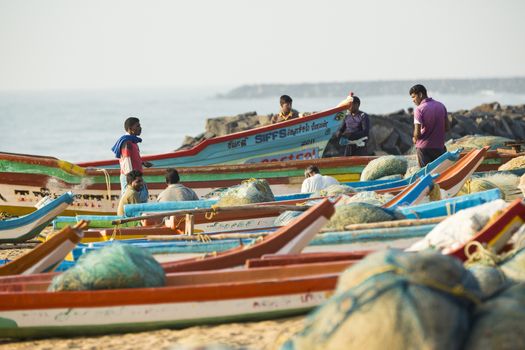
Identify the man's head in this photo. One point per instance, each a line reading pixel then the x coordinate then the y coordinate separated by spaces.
pixel 132 126
pixel 354 106
pixel 286 103
pixel 311 171
pixel 172 176
pixel 418 93
pixel 134 179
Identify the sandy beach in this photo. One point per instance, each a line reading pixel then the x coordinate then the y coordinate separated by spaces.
pixel 265 335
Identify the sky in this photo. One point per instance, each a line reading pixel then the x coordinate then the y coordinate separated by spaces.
pixel 98 44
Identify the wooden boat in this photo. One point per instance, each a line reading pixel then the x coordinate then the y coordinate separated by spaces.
pixel 300 138
pixel 25 179
pixel 28 310
pixel 46 257
pixel 29 226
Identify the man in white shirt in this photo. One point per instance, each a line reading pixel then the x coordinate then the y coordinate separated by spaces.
pixel 176 191
pixel 314 181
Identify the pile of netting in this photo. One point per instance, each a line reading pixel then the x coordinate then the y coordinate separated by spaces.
pixel 457 229
pixel 384 166
pixel 369 197
pixel 514 163
pixel 469 142
pixel 506 183
pixel 249 191
pixel 332 191
pixel 112 267
pixel 398 300
pixel 359 213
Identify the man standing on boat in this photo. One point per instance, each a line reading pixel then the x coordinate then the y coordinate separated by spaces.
pixel 287 112
pixel 176 191
pixel 314 181
pixel 430 125
pixel 126 149
pixel 355 129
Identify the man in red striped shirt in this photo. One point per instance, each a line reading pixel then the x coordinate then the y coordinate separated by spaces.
pixel 127 150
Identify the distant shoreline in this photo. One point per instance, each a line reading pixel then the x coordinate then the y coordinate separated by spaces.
pixel 377 88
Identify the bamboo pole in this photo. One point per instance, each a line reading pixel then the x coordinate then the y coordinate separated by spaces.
pixel 263 208
pixel 211 237
pixel 391 224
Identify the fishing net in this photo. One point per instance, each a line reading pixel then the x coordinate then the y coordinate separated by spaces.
pixel 506 183
pixel 384 166
pixel 286 217
pixel 499 323
pixel 514 266
pixel 391 177
pixel 490 278
pixel 514 163
pixel 249 191
pixel 396 300
pixel 369 197
pixel 358 213
pixel 457 229
pixel 476 141
pixel 411 171
pixel 332 191
pixel 112 267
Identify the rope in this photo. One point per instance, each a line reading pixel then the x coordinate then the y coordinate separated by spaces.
pixel 108 182
pixel 212 213
pixel 116 231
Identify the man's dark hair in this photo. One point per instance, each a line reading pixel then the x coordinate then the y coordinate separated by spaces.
pixel 130 122
pixel 416 89
pixel 132 175
pixel 285 99
pixel 312 169
pixel 172 176
pixel 356 100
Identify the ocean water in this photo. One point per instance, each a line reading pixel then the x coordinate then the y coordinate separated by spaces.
pixel 83 125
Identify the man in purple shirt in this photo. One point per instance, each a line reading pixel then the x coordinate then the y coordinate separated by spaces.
pixel 355 128
pixel 430 125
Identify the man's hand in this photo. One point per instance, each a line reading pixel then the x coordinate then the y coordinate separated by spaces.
pixel 147 164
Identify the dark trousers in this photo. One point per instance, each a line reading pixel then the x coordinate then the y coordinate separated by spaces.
pixel 428 155
pixel 353 150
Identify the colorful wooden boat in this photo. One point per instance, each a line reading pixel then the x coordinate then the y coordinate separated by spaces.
pixel 28 310
pixel 301 138
pixel 29 226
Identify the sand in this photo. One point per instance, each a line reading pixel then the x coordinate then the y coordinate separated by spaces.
pixel 265 335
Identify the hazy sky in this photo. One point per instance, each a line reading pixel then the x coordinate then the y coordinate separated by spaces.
pixel 106 44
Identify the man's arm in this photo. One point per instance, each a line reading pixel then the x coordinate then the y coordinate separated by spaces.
pixel 417 132
pixel 341 129
pixel 447 122
pixel 125 155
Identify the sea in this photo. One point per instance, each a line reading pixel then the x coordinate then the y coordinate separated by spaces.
pixel 82 125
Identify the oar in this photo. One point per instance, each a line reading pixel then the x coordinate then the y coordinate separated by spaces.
pixel 264 208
